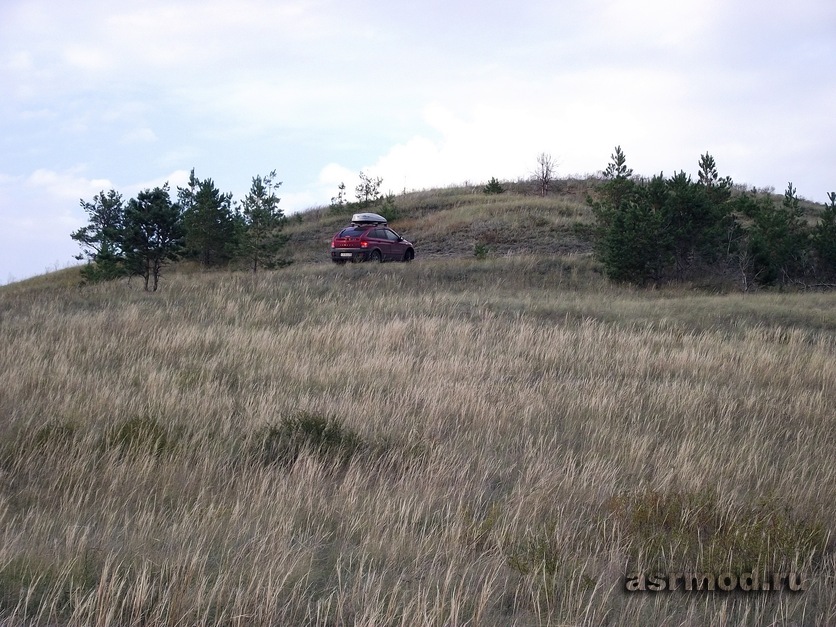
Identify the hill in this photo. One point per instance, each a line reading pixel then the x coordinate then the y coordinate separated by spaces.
pixel 502 441
pixel 450 222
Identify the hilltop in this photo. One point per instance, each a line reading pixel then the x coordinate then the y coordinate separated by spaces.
pixel 449 222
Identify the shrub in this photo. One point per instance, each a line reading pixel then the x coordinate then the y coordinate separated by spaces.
pixel 55 433
pixel 326 438
pixel 493 187
pixel 138 435
pixel 697 529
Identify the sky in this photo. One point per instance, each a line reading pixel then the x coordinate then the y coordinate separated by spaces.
pixel 99 95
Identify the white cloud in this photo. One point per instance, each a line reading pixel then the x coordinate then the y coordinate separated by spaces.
pixel 333 174
pixel 20 61
pixel 37 115
pixel 178 156
pixel 299 201
pixel 139 136
pixel 88 58
pixel 657 23
pixel 67 185
pixel 175 179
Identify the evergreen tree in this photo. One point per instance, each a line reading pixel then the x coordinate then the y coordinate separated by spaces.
pixel 824 238
pixel 153 234
pixel 629 234
pixel 779 240
pixel 261 239
pixel 617 169
pixel 101 239
pixel 698 217
pixel 722 227
pixel 649 230
pixel 208 222
pixel 493 187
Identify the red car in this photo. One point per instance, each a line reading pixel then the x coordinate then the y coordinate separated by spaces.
pixel 370 239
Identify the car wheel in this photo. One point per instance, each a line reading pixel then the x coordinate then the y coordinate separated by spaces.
pixel 409 255
pixel 376 256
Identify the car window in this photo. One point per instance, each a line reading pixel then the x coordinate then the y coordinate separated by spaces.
pixel 378 234
pixel 351 231
pixel 391 235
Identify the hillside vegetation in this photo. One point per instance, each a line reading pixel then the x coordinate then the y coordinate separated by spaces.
pixel 451 222
pixel 659 230
pixel 453 441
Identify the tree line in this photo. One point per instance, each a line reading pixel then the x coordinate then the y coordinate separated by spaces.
pixel 674 228
pixel 140 236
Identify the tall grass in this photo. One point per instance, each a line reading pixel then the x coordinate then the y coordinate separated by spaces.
pixel 491 443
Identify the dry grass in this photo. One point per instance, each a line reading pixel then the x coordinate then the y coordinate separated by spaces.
pixel 522 436
pixel 449 222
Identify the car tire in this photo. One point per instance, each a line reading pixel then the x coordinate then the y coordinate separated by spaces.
pixel 409 255
pixel 376 256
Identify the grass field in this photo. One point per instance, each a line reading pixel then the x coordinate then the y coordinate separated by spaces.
pixel 448 442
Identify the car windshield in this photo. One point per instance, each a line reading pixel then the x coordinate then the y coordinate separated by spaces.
pixel 352 231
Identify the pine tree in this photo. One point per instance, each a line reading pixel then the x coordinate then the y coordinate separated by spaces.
pixel 262 240
pixel 101 239
pixel 208 221
pixel 628 240
pixel 664 227
pixel 493 187
pixel 779 240
pixel 153 234
pixel 824 238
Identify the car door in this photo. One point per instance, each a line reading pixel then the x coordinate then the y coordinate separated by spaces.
pixel 397 247
pixel 381 241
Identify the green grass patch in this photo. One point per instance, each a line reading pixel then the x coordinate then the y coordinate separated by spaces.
pixel 695 530
pixel 326 438
pixel 55 434
pixel 140 435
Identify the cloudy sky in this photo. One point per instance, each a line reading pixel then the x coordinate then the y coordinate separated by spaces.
pixel 127 95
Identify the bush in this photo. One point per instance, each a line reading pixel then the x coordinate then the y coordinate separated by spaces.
pixel 326 438
pixel 695 529
pixel 55 433
pixel 493 187
pixel 480 250
pixel 138 435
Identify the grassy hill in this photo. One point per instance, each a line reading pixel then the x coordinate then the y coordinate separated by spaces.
pixel 450 222
pixel 447 442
